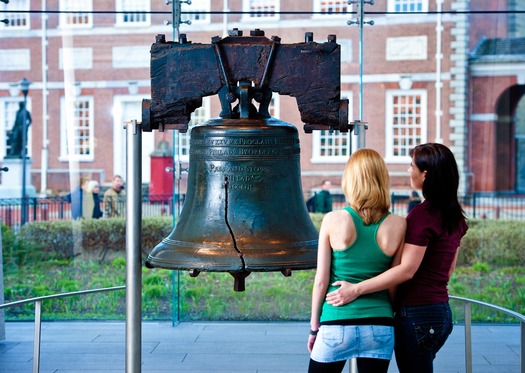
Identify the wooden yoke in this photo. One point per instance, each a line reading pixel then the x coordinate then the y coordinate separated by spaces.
pixel 241 69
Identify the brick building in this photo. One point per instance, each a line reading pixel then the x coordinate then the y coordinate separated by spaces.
pixel 454 74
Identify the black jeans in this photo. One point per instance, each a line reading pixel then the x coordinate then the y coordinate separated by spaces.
pixel 420 332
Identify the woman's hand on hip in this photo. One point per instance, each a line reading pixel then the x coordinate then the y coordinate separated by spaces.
pixel 344 295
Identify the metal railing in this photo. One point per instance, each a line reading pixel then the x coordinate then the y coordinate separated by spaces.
pixel 468 324
pixel 38 315
pixel 468 329
pixel 59 208
pixel 476 206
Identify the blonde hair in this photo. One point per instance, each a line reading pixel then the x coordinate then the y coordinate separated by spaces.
pixel 91 185
pixel 366 185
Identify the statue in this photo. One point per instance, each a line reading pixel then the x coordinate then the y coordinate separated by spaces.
pixel 18 133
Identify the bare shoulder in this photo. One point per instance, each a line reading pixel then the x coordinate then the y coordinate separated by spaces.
pixel 396 222
pixel 340 229
pixel 391 233
pixel 335 216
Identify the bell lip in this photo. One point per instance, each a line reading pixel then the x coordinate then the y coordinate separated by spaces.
pixel 306 265
pixel 179 255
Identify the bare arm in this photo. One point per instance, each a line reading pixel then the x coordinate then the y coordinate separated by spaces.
pixel 411 257
pixel 322 278
pixel 393 289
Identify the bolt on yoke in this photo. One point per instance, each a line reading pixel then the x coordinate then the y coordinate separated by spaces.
pixel 241 69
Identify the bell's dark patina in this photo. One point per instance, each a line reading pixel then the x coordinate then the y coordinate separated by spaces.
pixel 244 209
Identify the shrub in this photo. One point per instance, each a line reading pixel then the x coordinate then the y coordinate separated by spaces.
pixel 494 242
pixel 16 250
pixel 99 239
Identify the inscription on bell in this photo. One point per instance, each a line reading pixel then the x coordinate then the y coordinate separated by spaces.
pixel 232 152
pixel 233 168
pixel 239 177
pixel 243 141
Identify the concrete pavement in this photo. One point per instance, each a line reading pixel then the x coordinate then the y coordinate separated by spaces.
pixel 221 347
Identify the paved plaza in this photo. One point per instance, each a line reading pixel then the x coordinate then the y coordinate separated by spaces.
pixel 220 347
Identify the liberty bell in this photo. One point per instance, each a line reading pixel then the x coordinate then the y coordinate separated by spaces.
pixel 244 209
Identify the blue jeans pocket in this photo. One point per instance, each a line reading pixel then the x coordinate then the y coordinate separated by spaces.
pixel 431 335
pixel 382 334
pixel 333 335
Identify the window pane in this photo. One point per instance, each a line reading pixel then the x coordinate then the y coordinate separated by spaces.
pixel 15 20
pixel 334 144
pixel 334 6
pixel 135 11
pixel 262 6
pixel 408 5
pixel 199 9
pixel 406 123
pixel 199 116
pixel 72 16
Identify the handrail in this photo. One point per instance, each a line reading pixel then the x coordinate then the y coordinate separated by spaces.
pixel 61 295
pixel 468 329
pixel 468 323
pixel 468 333
pixel 38 315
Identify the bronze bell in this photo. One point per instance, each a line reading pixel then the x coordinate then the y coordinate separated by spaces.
pixel 244 210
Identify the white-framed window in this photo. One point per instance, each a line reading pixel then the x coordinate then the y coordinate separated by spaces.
pixel 16 21
pixel 77 137
pixel 406 122
pixel 331 7
pixel 8 108
pixel 199 116
pixel 407 6
pixel 200 9
pixel 133 13
pixel 76 13
pixel 127 108
pixel 261 9
pixel 334 147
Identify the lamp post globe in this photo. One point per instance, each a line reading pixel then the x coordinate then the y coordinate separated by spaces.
pixel 24 86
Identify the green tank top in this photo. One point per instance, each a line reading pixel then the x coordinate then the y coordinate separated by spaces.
pixel 360 261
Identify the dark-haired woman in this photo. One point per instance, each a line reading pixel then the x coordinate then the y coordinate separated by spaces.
pixel 434 231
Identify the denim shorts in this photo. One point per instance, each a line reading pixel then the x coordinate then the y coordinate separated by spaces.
pixel 342 342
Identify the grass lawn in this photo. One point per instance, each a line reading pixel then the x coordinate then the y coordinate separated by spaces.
pixel 210 296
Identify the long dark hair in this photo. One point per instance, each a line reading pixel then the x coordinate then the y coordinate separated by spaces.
pixel 440 187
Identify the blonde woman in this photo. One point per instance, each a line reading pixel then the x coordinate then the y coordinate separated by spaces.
pixel 355 244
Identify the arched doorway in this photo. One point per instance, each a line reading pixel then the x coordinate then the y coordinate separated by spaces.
pixel 510 140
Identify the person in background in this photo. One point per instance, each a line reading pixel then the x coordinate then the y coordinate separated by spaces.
pixel 414 200
pixel 323 199
pixel 114 204
pixel 76 198
pixel 91 202
pixel 435 228
pixel 356 243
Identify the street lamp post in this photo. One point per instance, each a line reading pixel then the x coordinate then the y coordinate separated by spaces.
pixel 24 87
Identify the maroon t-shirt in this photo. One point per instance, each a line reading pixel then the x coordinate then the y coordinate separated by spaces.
pixel 429 284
